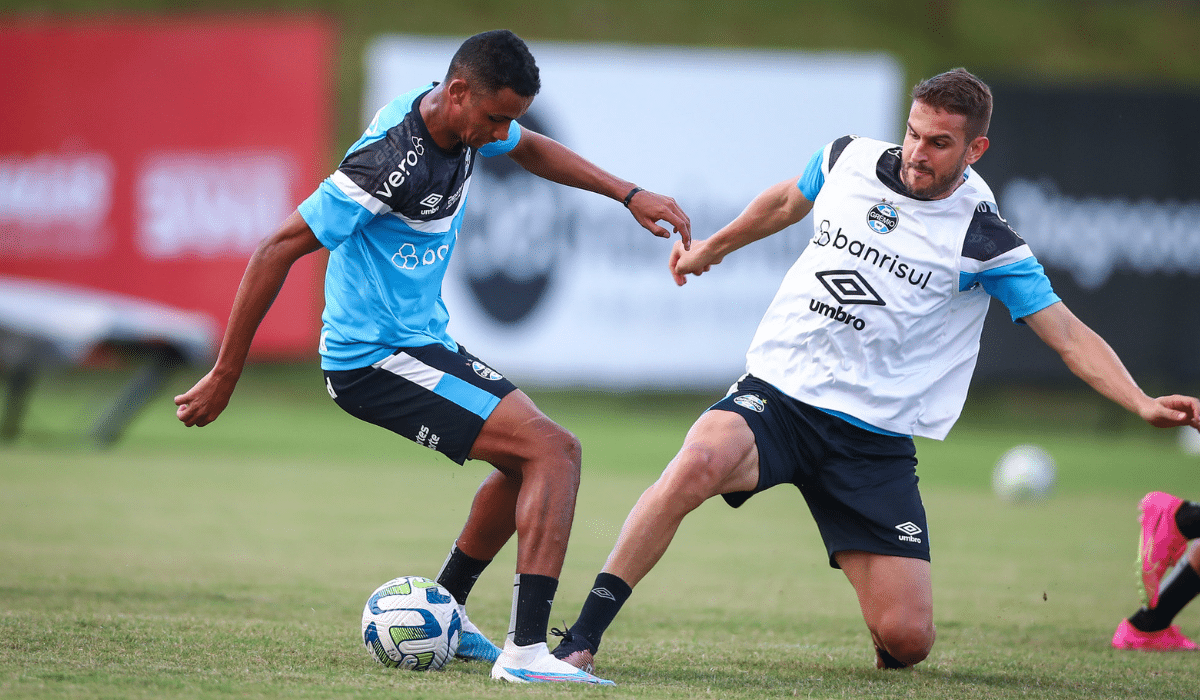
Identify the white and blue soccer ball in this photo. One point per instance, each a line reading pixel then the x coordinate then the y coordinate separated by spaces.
pixel 1024 473
pixel 411 622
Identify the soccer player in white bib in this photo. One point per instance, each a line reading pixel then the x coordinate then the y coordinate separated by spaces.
pixel 390 216
pixel 871 339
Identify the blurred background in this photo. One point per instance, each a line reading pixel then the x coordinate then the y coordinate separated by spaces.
pixel 147 146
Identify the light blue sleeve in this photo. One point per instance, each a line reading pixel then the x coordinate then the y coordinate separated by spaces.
pixel 1022 287
pixel 813 178
pixel 331 215
pixel 496 148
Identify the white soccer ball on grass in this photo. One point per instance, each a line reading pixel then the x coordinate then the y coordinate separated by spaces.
pixel 411 622
pixel 1189 440
pixel 1024 473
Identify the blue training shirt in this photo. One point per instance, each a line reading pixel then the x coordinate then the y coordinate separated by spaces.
pixel 390 216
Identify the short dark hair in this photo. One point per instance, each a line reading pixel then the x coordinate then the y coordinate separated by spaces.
pixel 494 60
pixel 959 92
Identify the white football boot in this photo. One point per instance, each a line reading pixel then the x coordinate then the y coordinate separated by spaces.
pixel 535 664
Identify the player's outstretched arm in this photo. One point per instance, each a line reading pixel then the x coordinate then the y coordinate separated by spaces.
pixel 264 277
pixel 773 210
pixel 549 159
pixel 1095 362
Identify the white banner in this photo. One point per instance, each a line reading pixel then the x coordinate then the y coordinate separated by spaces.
pixel 557 287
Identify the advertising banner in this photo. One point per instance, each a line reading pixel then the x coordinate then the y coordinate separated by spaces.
pixel 560 287
pixel 1102 184
pixel 149 157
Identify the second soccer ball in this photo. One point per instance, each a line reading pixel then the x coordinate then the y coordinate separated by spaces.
pixel 1024 473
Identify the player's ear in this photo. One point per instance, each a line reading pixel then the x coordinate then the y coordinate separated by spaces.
pixel 457 90
pixel 976 149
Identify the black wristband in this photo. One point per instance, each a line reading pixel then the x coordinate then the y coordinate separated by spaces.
pixel 629 197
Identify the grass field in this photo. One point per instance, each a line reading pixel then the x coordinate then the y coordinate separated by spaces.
pixel 234 560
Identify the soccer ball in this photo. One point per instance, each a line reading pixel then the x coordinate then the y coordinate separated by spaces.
pixel 411 622
pixel 1024 473
pixel 1189 440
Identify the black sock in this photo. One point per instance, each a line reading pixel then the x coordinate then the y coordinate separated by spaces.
pixel 459 573
pixel 601 607
pixel 1187 519
pixel 888 660
pixel 1179 591
pixel 533 596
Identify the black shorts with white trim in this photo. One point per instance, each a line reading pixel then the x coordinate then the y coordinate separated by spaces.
pixel 432 395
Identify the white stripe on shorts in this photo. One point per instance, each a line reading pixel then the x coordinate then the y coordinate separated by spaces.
pixel 404 365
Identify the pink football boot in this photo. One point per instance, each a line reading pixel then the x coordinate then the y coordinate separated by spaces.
pixel 1161 544
pixel 1171 639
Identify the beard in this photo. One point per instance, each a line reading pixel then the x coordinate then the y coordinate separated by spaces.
pixel 938 187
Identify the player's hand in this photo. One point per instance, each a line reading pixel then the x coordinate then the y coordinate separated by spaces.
pixel 694 261
pixel 650 207
pixel 201 404
pixel 1173 411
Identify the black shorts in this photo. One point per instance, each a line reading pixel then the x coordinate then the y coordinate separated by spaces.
pixel 431 395
pixel 860 486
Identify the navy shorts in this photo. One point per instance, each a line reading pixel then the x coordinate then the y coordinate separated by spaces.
pixel 431 395
pixel 860 486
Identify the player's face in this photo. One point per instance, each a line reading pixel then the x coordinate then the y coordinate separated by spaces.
pixel 936 151
pixel 486 116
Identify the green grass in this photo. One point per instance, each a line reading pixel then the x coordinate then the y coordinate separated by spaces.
pixel 234 560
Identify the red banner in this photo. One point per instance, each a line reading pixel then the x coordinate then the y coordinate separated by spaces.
pixel 150 157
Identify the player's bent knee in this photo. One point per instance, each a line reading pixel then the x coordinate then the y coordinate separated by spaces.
pixel 566 447
pixel 560 450
pixel 908 643
pixel 695 473
pixel 703 465
pixel 573 448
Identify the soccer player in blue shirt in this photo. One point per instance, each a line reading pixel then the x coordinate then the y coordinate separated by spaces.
pixel 390 217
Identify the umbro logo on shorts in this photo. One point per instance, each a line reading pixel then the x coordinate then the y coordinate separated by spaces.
pixel 910 531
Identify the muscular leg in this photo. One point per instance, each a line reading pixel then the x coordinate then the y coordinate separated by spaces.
pixel 493 517
pixel 532 490
pixel 896 597
pixel 718 456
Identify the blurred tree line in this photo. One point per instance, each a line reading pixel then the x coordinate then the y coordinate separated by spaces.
pixel 1137 43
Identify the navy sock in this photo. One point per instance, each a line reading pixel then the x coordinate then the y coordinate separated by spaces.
pixel 1187 519
pixel 601 607
pixel 533 596
pixel 888 660
pixel 1179 591
pixel 459 573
